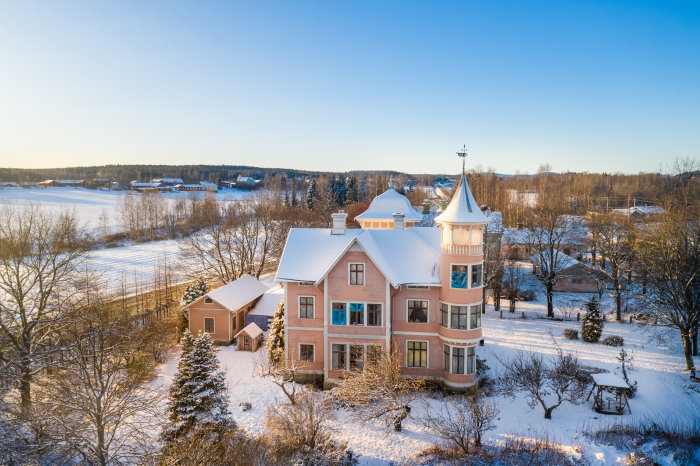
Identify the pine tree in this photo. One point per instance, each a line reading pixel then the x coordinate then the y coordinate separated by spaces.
pixel 592 322
pixel 198 393
pixel 195 290
pixel 275 342
pixel 294 197
pixel 286 198
pixel 311 195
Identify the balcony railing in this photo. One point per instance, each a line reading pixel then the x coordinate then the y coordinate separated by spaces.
pixel 465 250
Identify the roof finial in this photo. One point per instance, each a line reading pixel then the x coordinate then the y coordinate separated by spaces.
pixel 463 154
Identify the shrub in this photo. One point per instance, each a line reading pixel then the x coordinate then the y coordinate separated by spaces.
pixel 592 322
pixel 570 334
pixel 613 340
pixel 246 406
pixel 526 295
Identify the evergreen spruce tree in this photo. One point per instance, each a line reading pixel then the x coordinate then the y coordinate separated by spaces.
pixel 198 394
pixel 195 290
pixel 286 198
pixel 294 197
pixel 311 195
pixel 592 322
pixel 275 342
pixel 352 195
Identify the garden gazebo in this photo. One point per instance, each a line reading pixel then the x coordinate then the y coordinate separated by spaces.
pixel 611 394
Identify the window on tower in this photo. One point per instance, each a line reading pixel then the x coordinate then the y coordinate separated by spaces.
pixel 459 276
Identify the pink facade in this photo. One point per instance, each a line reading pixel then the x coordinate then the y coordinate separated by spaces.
pixel 358 305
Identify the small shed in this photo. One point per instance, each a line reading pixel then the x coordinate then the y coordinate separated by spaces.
pixel 610 394
pixel 250 338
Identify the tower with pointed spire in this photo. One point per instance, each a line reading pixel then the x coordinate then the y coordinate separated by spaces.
pixel 462 277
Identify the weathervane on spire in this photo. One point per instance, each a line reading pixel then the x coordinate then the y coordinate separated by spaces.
pixel 463 154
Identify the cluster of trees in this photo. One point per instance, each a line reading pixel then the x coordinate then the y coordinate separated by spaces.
pixel 78 357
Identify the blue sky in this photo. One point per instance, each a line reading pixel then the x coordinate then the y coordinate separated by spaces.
pixel 585 86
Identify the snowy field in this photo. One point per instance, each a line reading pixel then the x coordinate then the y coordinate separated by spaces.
pixel 134 264
pixel 91 206
pixel 658 367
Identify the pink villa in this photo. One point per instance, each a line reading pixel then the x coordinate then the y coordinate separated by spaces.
pixel 349 292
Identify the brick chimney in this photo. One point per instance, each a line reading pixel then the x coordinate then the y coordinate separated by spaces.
pixel 338 223
pixel 398 220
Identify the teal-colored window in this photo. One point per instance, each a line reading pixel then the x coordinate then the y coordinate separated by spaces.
pixel 459 276
pixel 357 314
pixel 339 314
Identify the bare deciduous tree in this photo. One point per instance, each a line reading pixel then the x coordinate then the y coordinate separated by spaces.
pixel 94 401
pixel 669 253
pixel 512 280
pixel 612 233
pixel 38 256
pixel 461 419
pixel 548 384
pixel 380 390
pixel 549 229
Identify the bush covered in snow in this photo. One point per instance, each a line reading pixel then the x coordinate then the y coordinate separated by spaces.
pixel 592 322
pixel 570 334
pixel 613 340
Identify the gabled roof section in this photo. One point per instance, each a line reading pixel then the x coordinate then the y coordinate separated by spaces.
pixel 252 330
pixel 236 294
pixel 406 257
pixel 463 208
pixel 384 206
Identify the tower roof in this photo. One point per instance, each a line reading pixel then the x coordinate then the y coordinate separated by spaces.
pixel 388 203
pixel 463 208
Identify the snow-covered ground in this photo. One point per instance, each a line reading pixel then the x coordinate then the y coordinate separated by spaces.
pixel 658 367
pixel 91 206
pixel 135 263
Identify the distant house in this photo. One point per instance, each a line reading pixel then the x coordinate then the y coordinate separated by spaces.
pixel 210 187
pixel 518 243
pixel 640 211
pixel 167 181
pixel 574 276
pixel 8 184
pixel 250 338
pixel 222 312
pixel 386 209
pixel 60 183
pixel 188 187
pixel 139 186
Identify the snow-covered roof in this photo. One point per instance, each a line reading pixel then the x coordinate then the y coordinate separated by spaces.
pixel 495 224
pixel 269 302
pixel 236 294
pixel 143 185
pixel 463 208
pixel 245 179
pixel 406 257
pixel 167 180
pixel 609 380
pixel 252 330
pixel 563 261
pixel 384 206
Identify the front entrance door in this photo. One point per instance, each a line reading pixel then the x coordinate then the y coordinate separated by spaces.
pixel 246 343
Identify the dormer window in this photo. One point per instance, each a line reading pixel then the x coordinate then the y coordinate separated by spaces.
pixel 208 300
pixel 357 274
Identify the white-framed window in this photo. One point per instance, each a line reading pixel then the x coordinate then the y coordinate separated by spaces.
pixel 417 310
pixel 353 356
pixel 360 314
pixel 474 316
pixel 306 352
pixel 209 324
pixel 339 358
pixel 374 315
pixel 356 273
pixel 417 354
pixel 306 307
pixel 459 358
pixel 463 276
pixel 458 317
pixel 339 313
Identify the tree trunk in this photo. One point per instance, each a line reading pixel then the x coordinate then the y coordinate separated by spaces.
pixel 497 300
pixel 618 300
pixel 548 412
pixel 512 305
pixel 398 419
pixel 694 339
pixel 25 389
pixel 550 304
pixel 687 349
